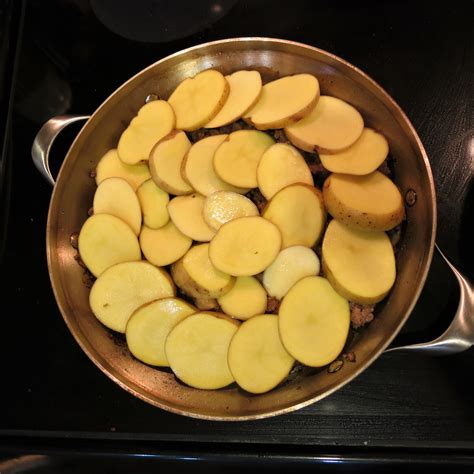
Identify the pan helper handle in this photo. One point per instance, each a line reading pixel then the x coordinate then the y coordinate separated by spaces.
pixel 44 140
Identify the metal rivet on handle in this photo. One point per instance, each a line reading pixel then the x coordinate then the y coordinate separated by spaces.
pixel 150 98
pixel 410 197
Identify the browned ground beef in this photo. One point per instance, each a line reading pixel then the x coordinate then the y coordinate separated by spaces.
pixel 273 305
pixel 361 314
pixel 257 198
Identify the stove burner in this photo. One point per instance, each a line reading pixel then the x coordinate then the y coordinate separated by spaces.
pixel 159 21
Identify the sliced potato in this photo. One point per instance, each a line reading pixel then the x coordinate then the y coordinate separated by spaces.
pixel 237 158
pixel 280 166
pixel 360 265
pixel 165 245
pixel 291 265
pixel 332 126
pixel 198 277
pixel 364 156
pixel 245 246
pixel 165 163
pixel 198 168
pixel 197 349
pixel 116 197
pixel 224 206
pixel 186 213
pixel 123 288
pixel 206 304
pixel 149 326
pixel 153 121
pixel 106 240
pixel 314 322
pixel 153 202
pixel 298 211
pixel 245 299
pixel 284 101
pixel 245 88
pixel 257 358
pixel 370 202
pixel 197 100
pixel 111 166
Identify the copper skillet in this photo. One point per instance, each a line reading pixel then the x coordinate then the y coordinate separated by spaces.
pixel 72 196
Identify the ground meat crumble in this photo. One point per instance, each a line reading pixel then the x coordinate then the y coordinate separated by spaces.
pixel 361 314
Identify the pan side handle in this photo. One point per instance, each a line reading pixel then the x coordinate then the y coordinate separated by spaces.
pixel 44 140
pixel 460 334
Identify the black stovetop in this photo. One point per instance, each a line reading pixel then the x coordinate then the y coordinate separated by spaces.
pixel 70 55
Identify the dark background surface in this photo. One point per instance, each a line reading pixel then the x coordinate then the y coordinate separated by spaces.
pixel 70 59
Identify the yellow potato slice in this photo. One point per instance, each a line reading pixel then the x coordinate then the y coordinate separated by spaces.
pixel 111 166
pixel 291 265
pixel 116 197
pixel 153 202
pixel 198 168
pixel 165 245
pixel 106 240
pixel 284 101
pixel 370 202
pixel 165 163
pixel 245 246
pixel 364 156
pixel 186 213
pixel 237 158
pixel 197 349
pixel 198 277
pixel 245 299
pixel 123 288
pixel 332 126
pixel 224 206
pixel 153 121
pixel 149 326
pixel 245 88
pixel 360 265
pixel 198 99
pixel 298 211
pixel 314 322
pixel 280 166
pixel 257 358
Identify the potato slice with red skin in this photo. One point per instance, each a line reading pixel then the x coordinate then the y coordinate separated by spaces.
pixel 165 162
pixel 245 246
pixel 314 321
pixel 198 99
pixel 106 240
pixel 123 288
pixel 111 166
pixel 284 101
pixel 332 126
pixel 116 197
pixel 280 166
pixel 257 358
pixel 298 211
pixel 245 89
pixel 152 122
pixel 197 349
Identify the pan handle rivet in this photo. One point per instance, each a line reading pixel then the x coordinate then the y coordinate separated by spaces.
pixel 150 97
pixel 410 197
